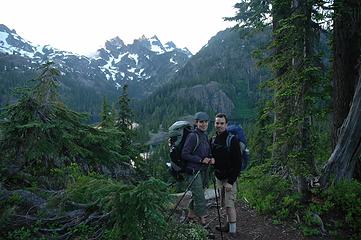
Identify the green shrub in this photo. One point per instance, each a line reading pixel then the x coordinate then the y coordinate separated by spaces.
pixel 20 234
pixel 345 197
pixel 266 193
pixel 136 212
pixel 186 232
pixel 339 209
pixel 140 213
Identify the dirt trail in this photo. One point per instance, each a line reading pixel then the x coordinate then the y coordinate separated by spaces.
pixel 252 226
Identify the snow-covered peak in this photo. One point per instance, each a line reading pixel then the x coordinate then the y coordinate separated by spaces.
pixel 153 44
pixel 170 46
pixel 155 38
pixel 144 60
pixel 12 43
pixel 5 29
pixel 186 51
pixel 115 42
pixel 156 45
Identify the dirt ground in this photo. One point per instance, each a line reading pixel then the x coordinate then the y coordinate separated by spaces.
pixel 252 226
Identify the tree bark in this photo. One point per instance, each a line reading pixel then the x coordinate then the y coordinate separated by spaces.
pixel 280 11
pixel 303 106
pixel 341 164
pixel 346 55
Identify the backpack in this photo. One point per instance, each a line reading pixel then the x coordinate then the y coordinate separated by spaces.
pixel 235 130
pixel 178 133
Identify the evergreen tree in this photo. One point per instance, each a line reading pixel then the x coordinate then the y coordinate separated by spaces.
pixel 107 115
pixel 125 116
pixel 298 79
pixel 39 132
pixel 124 124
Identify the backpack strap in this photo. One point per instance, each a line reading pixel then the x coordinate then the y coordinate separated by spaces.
pixel 229 140
pixel 213 139
pixel 197 142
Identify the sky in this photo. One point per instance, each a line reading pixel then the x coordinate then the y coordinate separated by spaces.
pixel 83 26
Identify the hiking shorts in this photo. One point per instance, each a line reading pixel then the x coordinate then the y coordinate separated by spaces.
pixel 227 197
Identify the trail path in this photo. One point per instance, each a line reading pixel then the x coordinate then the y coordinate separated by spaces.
pixel 250 224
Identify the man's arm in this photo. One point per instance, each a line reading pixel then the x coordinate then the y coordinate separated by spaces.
pixel 189 145
pixel 236 159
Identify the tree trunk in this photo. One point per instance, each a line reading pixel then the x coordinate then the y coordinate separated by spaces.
pixel 342 162
pixel 280 11
pixel 346 49
pixel 303 109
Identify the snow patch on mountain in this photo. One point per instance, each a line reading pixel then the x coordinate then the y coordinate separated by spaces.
pixel 146 58
pixel 135 57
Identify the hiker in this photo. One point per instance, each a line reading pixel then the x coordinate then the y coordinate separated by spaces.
pixel 197 154
pixel 227 168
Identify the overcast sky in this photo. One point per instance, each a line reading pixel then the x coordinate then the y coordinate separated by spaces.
pixel 83 26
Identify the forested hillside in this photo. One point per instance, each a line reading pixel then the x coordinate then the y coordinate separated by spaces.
pixel 221 77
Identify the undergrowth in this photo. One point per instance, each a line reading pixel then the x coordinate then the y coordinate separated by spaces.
pixel 335 211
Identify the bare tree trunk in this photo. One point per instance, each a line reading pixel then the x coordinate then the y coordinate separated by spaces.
pixel 346 54
pixel 341 164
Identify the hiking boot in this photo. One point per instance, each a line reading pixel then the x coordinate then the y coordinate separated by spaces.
pixel 233 236
pixel 191 214
pixel 202 220
pixel 223 228
pixel 211 236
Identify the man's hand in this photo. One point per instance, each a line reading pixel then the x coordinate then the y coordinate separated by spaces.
pixel 208 161
pixel 227 186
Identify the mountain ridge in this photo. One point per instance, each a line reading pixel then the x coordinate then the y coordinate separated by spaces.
pixel 143 65
pixel 122 63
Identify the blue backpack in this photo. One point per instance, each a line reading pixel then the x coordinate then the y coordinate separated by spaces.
pixel 235 130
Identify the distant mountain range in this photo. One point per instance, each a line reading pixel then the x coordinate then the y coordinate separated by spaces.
pixel 144 65
pixel 145 61
pixel 167 81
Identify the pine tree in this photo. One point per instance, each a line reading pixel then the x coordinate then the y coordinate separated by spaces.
pixel 297 82
pixel 124 124
pixel 125 116
pixel 107 115
pixel 39 132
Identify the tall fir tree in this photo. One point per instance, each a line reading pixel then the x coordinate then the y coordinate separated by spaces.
pixel 124 123
pixel 298 78
pixel 125 116
pixel 106 115
pixel 39 132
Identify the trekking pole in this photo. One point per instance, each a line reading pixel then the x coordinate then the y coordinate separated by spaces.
pixel 219 214
pixel 185 192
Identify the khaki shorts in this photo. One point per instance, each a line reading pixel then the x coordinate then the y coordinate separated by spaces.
pixel 227 197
